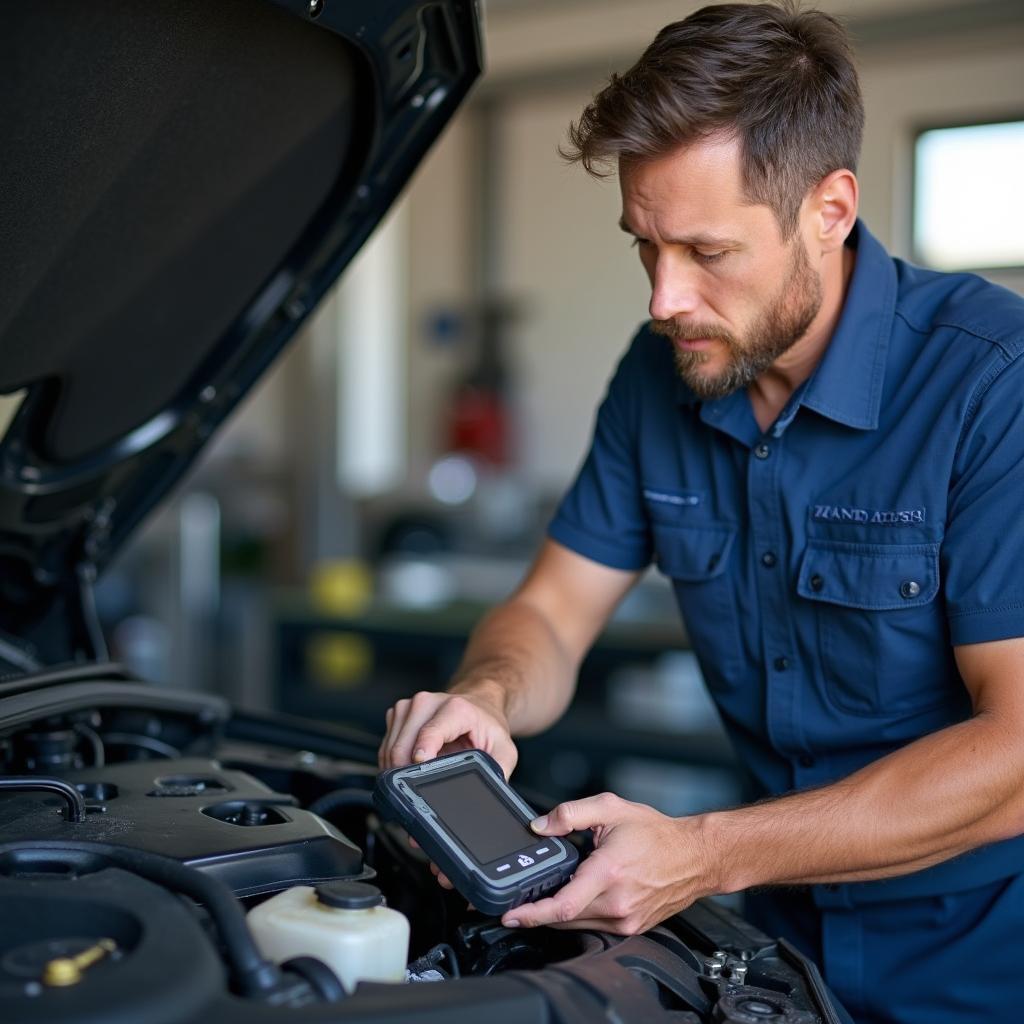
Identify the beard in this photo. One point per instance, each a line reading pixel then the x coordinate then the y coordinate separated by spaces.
pixel 775 330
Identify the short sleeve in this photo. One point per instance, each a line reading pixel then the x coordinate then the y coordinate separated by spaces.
pixel 602 516
pixel 983 549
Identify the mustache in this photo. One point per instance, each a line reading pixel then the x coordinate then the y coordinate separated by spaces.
pixel 690 332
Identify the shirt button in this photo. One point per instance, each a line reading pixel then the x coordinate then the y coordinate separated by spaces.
pixel 762 451
pixel 768 559
pixel 806 761
pixel 781 664
pixel 910 588
pixel 817 583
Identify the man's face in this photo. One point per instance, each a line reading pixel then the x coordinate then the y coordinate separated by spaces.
pixel 732 296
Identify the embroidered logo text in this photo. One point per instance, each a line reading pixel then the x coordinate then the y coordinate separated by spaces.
pixel 884 517
pixel 684 498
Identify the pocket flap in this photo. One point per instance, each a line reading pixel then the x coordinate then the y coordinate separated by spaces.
pixel 875 577
pixel 693 552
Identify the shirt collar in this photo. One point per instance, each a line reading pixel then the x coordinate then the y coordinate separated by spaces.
pixel 847 384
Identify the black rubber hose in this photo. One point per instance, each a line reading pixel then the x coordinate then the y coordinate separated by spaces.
pixel 434 956
pixel 93 737
pixel 74 802
pixel 150 743
pixel 338 798
pixel 253 974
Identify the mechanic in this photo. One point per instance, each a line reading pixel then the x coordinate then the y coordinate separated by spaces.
pixel 823 448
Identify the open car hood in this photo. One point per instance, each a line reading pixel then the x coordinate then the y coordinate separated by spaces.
pixel 182 182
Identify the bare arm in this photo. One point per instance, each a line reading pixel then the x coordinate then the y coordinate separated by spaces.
pixel 527 651
pixel 944 794
pixel 519 671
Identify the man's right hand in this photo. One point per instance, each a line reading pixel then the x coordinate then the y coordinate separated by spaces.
pixel 429 724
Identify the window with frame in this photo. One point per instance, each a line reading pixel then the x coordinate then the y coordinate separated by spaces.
pixel 967 211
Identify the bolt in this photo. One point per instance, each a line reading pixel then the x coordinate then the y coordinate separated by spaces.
pixel 713 968
pixel 252 814
pixel 739 973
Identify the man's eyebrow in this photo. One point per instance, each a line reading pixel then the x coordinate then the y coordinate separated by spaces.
pixel 708 241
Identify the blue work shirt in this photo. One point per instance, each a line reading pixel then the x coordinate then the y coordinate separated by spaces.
pixel 825 567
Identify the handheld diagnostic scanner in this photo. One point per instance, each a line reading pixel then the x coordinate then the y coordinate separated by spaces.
pixel 476 829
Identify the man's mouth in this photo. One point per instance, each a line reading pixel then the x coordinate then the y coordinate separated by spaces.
pixel 694 344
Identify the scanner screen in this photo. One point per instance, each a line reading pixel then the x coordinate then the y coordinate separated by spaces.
pixel 476 815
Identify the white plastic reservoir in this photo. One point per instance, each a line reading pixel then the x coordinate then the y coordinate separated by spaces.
pixel 344 924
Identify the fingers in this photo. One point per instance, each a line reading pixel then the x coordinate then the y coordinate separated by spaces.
pixel 394 719
pixel 506 754
pixel 385 744
pixel 566 905
pixel 454 719
pixel 442 878
pixel 575 815
pixel 428 724
pixel 404 722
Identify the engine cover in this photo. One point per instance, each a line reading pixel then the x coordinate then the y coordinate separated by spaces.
pixel 226 823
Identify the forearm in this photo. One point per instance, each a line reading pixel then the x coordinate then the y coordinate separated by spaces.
pixel 516 660
pixel 935 798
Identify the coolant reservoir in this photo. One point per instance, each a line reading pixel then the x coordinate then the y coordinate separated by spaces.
pixel 344 924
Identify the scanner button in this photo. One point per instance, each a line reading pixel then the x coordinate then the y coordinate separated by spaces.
pixel 502 867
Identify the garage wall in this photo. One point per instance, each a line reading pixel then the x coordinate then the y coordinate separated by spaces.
pixel 442 276
pixel 583 287
pixel 555 244
pixel 493 210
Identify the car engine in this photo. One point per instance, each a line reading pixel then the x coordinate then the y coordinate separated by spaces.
pixel 137 825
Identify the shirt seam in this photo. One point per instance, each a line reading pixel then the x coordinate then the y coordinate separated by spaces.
pixel 984 385
pixel 974 332
pixel 1015 606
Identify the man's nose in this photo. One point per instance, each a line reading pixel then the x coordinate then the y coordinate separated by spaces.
pixel 673 289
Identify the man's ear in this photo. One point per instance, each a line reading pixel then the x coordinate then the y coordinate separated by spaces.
pixel 833 207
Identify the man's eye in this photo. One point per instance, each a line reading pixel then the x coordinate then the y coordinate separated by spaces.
pixel 709 257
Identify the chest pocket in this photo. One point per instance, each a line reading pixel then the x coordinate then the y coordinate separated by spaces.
pixel 882 636
pixel 695 557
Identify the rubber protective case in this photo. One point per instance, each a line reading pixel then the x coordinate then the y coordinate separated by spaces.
pixel 484 893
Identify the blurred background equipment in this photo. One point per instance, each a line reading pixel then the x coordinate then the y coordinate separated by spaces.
pixel 391 477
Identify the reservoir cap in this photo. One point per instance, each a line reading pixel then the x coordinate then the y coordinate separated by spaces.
pixel 349 895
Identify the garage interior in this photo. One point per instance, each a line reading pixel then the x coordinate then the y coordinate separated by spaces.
pixel 391 476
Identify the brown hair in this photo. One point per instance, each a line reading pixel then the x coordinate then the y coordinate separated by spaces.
pixel 779 79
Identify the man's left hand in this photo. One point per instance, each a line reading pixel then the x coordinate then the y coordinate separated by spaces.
pixel 645 867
